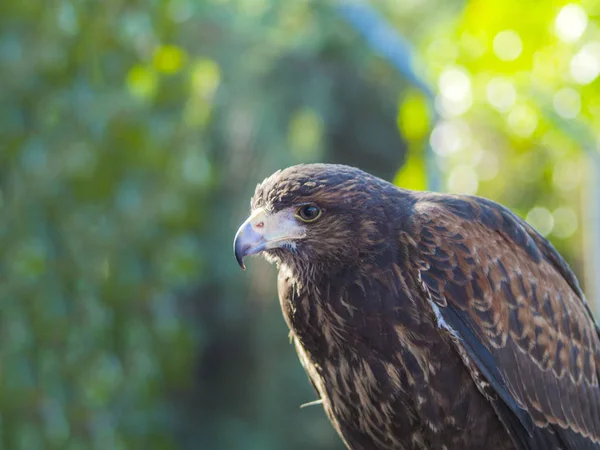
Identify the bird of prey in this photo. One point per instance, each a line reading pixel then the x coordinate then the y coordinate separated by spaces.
pixel 424 320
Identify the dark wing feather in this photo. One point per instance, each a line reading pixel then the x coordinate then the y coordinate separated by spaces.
pixel 518 311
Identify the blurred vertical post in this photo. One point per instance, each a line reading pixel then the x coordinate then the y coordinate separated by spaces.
pixel 387 42
pixel 592 234
pixel 585 138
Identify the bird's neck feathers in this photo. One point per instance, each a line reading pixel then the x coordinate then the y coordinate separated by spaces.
pixel 313 319
pixel 329 302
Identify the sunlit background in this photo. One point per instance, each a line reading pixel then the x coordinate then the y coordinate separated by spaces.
pixel 132 135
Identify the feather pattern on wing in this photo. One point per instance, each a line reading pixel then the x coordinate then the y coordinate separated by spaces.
pixel 518 311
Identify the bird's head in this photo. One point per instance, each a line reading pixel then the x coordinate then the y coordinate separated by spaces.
pixel 320 215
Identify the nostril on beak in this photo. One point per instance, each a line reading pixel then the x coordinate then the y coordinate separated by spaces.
pixel 248 241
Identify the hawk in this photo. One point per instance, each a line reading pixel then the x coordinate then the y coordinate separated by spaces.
pixel 426 320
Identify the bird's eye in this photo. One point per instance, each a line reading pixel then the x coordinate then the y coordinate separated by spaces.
pixel 308 213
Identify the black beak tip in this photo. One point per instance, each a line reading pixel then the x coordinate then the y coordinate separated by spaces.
pixel 239 254
pixel 240 261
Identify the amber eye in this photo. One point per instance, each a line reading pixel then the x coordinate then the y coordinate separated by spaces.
pixel 308 213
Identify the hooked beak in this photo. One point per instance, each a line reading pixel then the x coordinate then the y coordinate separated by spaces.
pixel 248 241
pixel 262 231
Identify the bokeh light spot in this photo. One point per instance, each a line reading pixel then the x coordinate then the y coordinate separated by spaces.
pixel 585 64
pixel 507 45
pixel 206 77
pixel 413 117
pixel 455 88
pixel 523 121
pixel 463 180
pixel 446 138
pixel 455 84
pixel 567 103
pixel 571 22
pixel 141 81
pixel 169 59
pixel 565 222
pixel 413 174
pixel 501 94
pixel 541 219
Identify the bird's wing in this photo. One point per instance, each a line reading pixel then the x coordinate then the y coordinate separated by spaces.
pixel 519 314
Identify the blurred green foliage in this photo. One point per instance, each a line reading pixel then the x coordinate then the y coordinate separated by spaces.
pixel 132 136
pixel 517 107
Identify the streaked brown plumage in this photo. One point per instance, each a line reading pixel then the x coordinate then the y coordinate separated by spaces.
pixel 426 320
